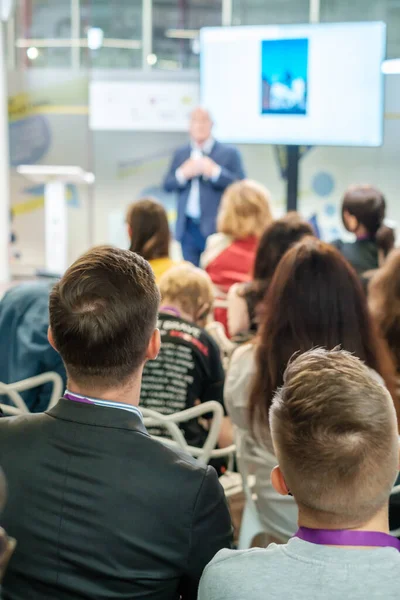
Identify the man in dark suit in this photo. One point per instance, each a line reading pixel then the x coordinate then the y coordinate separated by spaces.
pixel 99 509
pixel 199 173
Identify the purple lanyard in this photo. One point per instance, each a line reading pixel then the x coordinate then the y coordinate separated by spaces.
pixel 81 399
pixel 172 310
pixel 346 537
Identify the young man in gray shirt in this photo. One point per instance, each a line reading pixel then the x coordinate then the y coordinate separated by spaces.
pixel 335 434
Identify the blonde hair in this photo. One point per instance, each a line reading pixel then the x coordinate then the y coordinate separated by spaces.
pixel 245 210
pixel 333 426
pixel 189 287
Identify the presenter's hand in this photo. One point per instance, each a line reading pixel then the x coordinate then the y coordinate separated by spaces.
pixel 191 168
pixel 210 168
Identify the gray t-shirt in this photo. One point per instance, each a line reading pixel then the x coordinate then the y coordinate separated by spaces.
pixel 302 571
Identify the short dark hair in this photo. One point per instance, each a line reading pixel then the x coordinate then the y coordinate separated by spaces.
pixel 367 204
pixel 150 233
pixel 102 315
pixel 334 430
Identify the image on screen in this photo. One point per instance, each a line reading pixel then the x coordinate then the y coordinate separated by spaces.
pixel 307 84
pixel 284 66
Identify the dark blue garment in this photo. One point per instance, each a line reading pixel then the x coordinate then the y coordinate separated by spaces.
pixel 24 349
pixel 229 159
pixel 192 242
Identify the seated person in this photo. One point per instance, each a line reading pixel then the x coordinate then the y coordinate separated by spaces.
pixel 150 235
pixel 363 213
pixel 230 254
pixel 314 299
pixel 188 369
pixel 7 544
pixel 24 348
pixel 244 299
pixel 100 509
pixel 334 430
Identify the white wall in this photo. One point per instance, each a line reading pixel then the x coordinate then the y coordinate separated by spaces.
pixel 126 164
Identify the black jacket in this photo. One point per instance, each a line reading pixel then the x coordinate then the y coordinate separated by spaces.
pixel 100 510
pixel 361 254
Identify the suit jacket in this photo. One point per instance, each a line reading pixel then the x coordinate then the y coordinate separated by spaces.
pixel 229 159
pixel 100 510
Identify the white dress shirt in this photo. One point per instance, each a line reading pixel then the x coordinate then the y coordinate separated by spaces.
pixel 193 208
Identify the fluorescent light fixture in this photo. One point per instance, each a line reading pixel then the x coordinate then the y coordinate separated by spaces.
pixel 182 34
pixel 391 67
pixel 32 53
pixel 95 37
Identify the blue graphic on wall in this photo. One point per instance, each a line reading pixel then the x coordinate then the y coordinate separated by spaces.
pixel 323 184
pixel 330 210
pixel 29 140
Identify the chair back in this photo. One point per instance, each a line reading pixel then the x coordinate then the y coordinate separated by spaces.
pixel 12 390
pixel 152 418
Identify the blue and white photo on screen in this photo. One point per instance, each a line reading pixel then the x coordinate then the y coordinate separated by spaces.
pixel 284 78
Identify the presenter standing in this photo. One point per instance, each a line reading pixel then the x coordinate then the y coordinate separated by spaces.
pixel 199 173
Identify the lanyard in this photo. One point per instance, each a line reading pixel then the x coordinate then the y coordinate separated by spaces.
pixel 346 537
pixel 107 403
pixel 170 309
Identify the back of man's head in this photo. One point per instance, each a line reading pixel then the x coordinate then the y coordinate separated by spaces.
pixel 103 313
pixel 334 430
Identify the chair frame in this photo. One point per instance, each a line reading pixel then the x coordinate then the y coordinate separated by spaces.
pixel 208 451
pixel 12 391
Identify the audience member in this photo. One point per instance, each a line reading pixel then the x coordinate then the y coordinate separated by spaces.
pixel 363 212
pixel 7 544
pixel 100 509
pixel 335 435
pixel 24 348
pixel 315 299
pixel 244 299
pixel 188 370
pixel 230 254
pixel 150 234
pixel 384 302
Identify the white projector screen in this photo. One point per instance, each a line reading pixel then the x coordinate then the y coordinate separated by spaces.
pixel 295 84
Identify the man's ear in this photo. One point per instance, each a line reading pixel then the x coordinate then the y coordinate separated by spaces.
pixel 154 345
pixel 278 482
pixel 129 231
pixel 51 338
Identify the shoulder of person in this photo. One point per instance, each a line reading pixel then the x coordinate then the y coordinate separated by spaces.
pixel 184 149
pixel 338 244
pixel 216 243
pixel 243 353
pixel 228 148
pixel 20 425
pixel 225 556
pixel 231 566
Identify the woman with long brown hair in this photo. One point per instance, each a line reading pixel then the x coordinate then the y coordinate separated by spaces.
pixel 315 299
pixel 384 302
pixel 150 235
pixel 244 298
